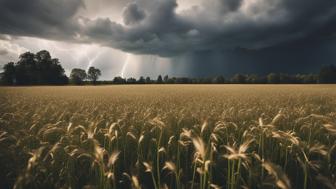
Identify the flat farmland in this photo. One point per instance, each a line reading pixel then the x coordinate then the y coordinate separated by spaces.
pixel 168 136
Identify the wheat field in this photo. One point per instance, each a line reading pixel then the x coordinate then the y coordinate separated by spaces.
pixel 168 136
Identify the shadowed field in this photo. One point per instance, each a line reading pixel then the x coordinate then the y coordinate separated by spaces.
pixel 169 136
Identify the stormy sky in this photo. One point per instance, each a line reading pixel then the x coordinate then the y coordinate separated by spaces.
pixel 174 37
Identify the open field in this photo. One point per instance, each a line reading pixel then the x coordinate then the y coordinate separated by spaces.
pixel 170 136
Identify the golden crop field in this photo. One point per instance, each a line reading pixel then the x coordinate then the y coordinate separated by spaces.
pixel 168 136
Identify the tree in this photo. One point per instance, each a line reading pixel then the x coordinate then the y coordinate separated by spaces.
pixel 239 78
pixel 165 79
pixel 24 69
pixel 273 78
pixel 131 80
pixel 32 69
pixel 93 74
pixel 171 80
pixel 119 80
pixel 219 80
pixel 309 79
pixel 327 74
pixel 159 80
pixel 57 73
pixel 49 70
pixel 77 76
pixel 141 80
pixel 8 77
pixel 183 80
pixel 252 78
pixel 148 80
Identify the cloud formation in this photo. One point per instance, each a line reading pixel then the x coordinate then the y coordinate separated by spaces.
pixel 39 18
pixel 251 24
pixel 213 25
pixel 3 52
pixel 133 14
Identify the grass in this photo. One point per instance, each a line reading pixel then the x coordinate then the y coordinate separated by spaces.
pixel 171 136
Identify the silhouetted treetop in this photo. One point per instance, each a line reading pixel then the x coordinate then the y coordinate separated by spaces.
pixel 77 76
pixel 32 69
pixel 93 74
pixel 327 74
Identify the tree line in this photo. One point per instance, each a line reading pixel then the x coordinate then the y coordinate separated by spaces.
pixel 42 69
pixel 34 69
pixel 78 76
pixel 327 75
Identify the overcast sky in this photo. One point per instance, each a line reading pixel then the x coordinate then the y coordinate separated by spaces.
pixel 174 37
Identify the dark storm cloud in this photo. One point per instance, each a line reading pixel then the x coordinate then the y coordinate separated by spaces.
pixel 295 57
pixel 133 14
pixel 158 33
pixel 230 5
pixel 228 25
pixel 158 29
pixel 208 33
pixel 39 18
